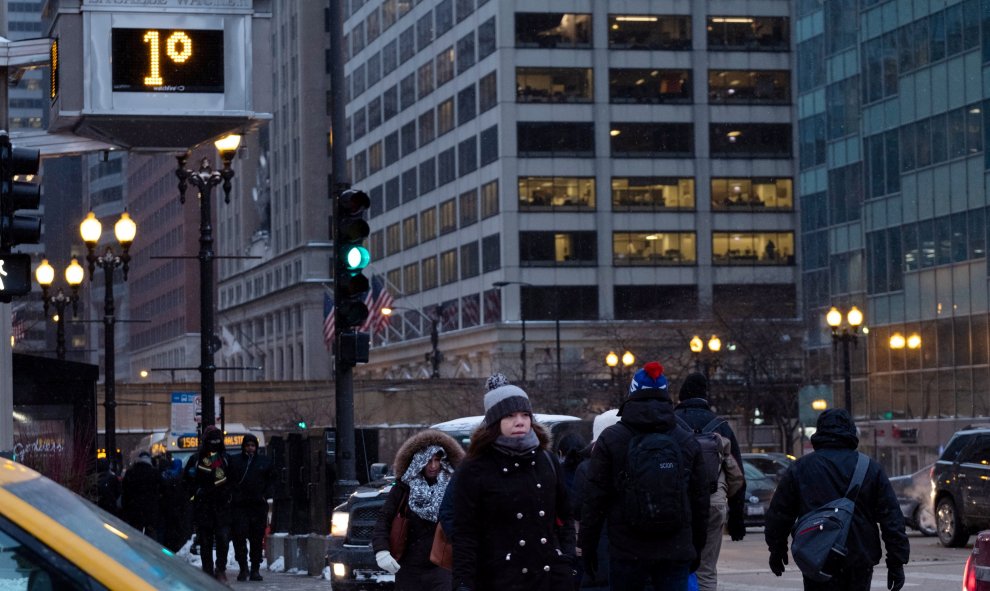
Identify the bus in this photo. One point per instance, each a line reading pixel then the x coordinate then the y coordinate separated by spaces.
pixel 183 445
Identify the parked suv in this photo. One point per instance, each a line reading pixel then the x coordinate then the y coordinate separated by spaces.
pixel 351 560
pixel 961 487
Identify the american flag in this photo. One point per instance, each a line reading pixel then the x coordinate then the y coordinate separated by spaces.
pixel 328 320
pixel 18 328
pixel 470 310
pixel 450 312
pixel 493 306
pixel 378 297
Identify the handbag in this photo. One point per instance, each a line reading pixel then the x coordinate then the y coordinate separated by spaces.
pixel 399 532
pixel 442 553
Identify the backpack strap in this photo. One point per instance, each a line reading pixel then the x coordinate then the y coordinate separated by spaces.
pixel 858 476
pixel 712 425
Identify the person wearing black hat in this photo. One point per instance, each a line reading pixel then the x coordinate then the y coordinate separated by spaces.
pixel 140 496
pixel 207 474
pixel 694 410
pixel 512 521
pixel 647 481
pixel 254 486
pixel 824 476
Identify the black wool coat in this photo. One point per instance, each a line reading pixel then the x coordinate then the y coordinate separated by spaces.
pixel 252 478
pixel 513 528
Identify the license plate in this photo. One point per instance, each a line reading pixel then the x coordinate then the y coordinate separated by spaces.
pixel 754 510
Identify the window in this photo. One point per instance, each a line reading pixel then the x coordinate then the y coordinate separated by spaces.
pixel 748 33
pixel 469 260
pixel 555 139
pixel 446 167
pixel 464 8
pixel 755 300
pixel 553 30
pixel 444 15
pixel 651 140
pixel 754 248
pixel 466 105
pixel 467 156
pixel 390 101
pixel 491 253
pixel 654 248
pixel 749 194
pixel 427 176
pixel 445 66
pixel 427 128
pixel 409 189
pixel 749 86
pixel 488 92
pixel 410 279
pixel 662 302
pixel 425 79
pixel 750 140
pixel 410 233
pixel 391 148
pixel 428 224
pixel 429 280
pixel 486 39
pixel 393 239
pixel 377 245
pixel 489 199
pixel 374 157
pixel 465 52
pixel 554 192
pixel 448 216
pixel 468 207
pixel 448 266
pixel 407 44
pixel 358 81
pixel 392 195
pixel 489 145
pixel 554 85
pixel 408 132
pixel 424 31
pixel 374 113
pixel 407 91
pixel 538 249
pixel 647 193
pixel 376 198
pixel 543 303
pixel 393 278
pixel 374 69
pixel 649 86
pixel 445 116
pixel 649 32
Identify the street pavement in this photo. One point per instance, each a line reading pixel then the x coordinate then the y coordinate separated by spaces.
pixel 281 582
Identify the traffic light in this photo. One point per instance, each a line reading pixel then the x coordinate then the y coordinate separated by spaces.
pixel 15 195
pixel 350 231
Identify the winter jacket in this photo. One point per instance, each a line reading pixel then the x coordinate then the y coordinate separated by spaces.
pixel 602 491
pixel 513 528
pixel 696 413
pixel 141 495
pixel 420 536
pixel 210 488
pixel 823 476
pixel 252 478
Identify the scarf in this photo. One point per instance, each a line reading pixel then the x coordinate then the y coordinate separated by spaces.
pixel 517 446
pixel 424 498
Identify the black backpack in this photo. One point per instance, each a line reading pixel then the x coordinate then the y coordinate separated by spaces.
pixel 711 449
pixel 653 482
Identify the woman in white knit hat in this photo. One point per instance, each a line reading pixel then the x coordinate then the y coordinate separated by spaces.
pixel 513 526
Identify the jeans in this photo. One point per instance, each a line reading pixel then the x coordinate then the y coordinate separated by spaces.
pixel 850 579
pixel 632 575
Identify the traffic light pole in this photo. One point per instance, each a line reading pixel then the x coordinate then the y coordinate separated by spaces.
pixel 6 351
pixel 343 372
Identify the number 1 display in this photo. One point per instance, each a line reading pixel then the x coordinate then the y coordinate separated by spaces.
pixel 171 61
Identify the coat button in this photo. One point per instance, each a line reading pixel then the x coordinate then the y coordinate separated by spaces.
pixel 543 540
pixel 546 568
pixel 542 513
pixel 518 515
pixel 525 570
pixel 522 542
pixel 532 463
pixel 538 485
pixel 505 469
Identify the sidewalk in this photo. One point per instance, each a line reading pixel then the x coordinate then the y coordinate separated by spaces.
pixel 280 582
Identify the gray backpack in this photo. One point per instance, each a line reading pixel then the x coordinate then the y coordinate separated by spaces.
pixel 818 540
pixel 711 449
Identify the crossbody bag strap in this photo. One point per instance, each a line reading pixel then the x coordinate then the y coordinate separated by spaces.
pixel 862 464
pixel 712 425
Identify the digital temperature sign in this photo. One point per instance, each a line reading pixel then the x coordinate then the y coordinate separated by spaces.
pixel 167 60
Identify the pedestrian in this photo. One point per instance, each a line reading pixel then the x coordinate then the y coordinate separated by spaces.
pixel 647 480
pixel 207 475
pixel 424 465
pixel 107 487
pixel 253 480
pixel 824 476
pixel 513 527
pixel 597 579
pixel 694 410
pixel 141 492
pixel 173 516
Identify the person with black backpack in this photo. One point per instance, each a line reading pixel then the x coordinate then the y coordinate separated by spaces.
pixel 647 480
pixel 829 476
pixel 725 505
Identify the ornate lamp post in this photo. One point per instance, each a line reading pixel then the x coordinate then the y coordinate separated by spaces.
pixel 125 230
pixel 846 334
pixel 706 362
pixel 522 319
pixel 74 274
pixel 435 357
pixel 204 181
pixel 612 361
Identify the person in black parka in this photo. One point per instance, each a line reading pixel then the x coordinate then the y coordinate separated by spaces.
pixel 206 475
pixel 141 493
pixel 423 467
pixel 254 486
pixel 823 476
pixel 513 529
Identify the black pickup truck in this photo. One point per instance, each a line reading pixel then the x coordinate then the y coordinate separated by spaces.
pixel 350 558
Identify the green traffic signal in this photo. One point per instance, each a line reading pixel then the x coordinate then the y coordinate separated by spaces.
pixel 356 258
pixel 301 424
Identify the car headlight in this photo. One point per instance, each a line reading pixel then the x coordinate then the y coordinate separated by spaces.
pixel 338 523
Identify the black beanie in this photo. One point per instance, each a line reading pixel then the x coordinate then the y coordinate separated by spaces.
pixel 694 386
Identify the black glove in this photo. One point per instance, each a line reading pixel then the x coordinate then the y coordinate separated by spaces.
pixel 777 562
pixel 895 576
pixel 590 558
pixel 737 528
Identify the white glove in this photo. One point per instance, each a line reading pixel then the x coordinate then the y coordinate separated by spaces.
pixel 386 562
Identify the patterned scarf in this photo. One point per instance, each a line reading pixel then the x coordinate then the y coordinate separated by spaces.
pixel 425 499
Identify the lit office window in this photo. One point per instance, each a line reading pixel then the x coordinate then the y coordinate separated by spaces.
pixel 549 30
pixel 651 32
pixel 747 194
pixel 646 192
pixel 554 85
pixel 552 192
pixel 654 248
pixel 749 86
pixel 649 86
pixel 753 248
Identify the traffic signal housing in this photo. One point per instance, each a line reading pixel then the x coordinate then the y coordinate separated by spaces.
pixel 350 232
pixel 16 194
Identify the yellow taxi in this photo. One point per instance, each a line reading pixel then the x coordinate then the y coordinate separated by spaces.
pixel 53 540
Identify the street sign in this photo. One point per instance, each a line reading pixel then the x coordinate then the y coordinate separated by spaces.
pixel 15 275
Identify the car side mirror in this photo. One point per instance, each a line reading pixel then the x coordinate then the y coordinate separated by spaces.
pixel 377 471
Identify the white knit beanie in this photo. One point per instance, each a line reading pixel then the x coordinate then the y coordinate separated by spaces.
pixel 602 422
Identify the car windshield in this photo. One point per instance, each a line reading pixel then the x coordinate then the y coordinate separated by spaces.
pixel 132 549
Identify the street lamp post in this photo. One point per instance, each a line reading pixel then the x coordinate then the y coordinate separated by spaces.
pixel 707 363
pixel 125 230
pixel 612 361
pixel 204 180
pixel 845 334
pixel 522 319
pixel 74 274
pixel 435 357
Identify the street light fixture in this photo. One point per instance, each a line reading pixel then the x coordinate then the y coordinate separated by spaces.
pixel 522 319
pixel 125 230
pixel 612 361
pixel 74 274
pixel 204 181
pixel 436 357
pixel 898 341
pixel 845 334
pixel 707 363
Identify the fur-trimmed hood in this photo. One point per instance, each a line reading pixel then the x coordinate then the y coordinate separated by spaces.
pixel 423 440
